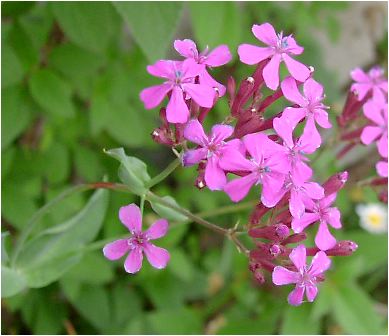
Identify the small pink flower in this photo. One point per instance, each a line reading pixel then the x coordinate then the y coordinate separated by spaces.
pixel 310 106
pixel 181 83
pixel 217 57
pixel 211 149
pixel 306 278
pixel 279 48
pixel 294 150
pixel 262 168
pixel 382 168
pixel 377 112
pixel 139 242
pixel 373 81
pixel 320 211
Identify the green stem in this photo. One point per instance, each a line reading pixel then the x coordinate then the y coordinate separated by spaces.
pixel 165 173
pixel 43 210
pixel 150 196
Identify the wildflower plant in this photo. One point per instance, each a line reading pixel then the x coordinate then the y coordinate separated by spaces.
pixel 252 150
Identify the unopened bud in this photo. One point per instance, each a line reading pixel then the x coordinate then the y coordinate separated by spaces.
pixel 343 248
pixel 276 232
pixel 295 238
pixel 335 183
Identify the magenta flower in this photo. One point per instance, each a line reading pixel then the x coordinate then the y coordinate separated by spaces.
pixel 279 48
pixel 310 106
pixel 139 242
pixel 181 83
pixel 306 278
pixel 217 57
pixel 382 168
pixel 377 112
pixel 373 81
pixel 262 168
pixel 320 211
pixel 294 150
pixel 299 195
pixel 211 149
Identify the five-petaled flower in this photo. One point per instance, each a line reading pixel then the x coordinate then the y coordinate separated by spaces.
pixel 217 57
pixel 211 149
pixel 373 82
pixel 305 278
pixel 181 83
pixel 139 241
pixel 279 48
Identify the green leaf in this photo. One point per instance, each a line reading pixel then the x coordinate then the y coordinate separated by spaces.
pixel 89 25
pixel 355 311
pixel 298 321
pixel 166 212
pixel 12 69
pixel 15 9
pixel 181 265
pixel 57 163
pixel 46 257
pixel 14 107
pixel 52 93
pixel 152 24
pixel 185 321
pixel 216 23
pixel 132 171
pixel 12 282
pixel 92 269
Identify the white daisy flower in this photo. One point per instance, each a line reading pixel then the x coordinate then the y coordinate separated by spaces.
pixel 373 217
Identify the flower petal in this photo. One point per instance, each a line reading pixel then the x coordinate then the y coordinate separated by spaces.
pixel 206 79
pixel 298 70
pixel 271 72
pixel 219 56
pixel 215 178
pixel 382 144
pixel 201 94
pixel 372 111
pixel 194 156
pixel 299 257
pixel 313 90
pixel 299 224
pixel 233 160
pixel 291 92
pixel 324 240
pixel 162 68
pixel 250 54
pixel 186 48
pixel 282 276
pixel 158 257
pixel 284 129
pixel 382 168
pixel 194 132
pixel 320 263
pixel 321 117
pixel 359 76
pixel 311 292
pixel 333 217
pixel 116 249
pixel 221 132
pixel 152 96
pixel 238 189
pixel 131 217
pixel 158 229
pixel 265 33
pixel 134 260
pixel 314 190
pixel 370 133
pixel 177 111
pixel 295 298
pixel 296 204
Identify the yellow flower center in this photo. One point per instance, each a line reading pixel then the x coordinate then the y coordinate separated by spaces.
pixel 374 219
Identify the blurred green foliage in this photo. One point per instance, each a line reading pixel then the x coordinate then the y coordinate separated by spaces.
pixel 71 77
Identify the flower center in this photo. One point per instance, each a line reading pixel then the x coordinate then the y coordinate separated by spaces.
pixel 138 239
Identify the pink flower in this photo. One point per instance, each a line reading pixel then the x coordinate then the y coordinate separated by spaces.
pixel 211 149
pixel 299 195
pixel 310 106
pixel 382 168
pixel 139 242
pixel 320 211
pixel 262 168
pixel 373 81
pixel 279 48
pixel 377 112
pixel 181 83
pixel 306 278
pixel 294 151
pixel 217 57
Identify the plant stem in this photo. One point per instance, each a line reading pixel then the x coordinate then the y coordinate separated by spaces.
pixel 227 209
pixel 43 210
pixel 165 173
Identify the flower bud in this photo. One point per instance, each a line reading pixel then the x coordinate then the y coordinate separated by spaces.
pixel 343 248
pixel 295 238
pixel 335 183
pixel 276 232
pixel 163 136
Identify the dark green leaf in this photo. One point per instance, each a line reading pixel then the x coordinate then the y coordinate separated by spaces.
pixel 152 24
pixel 12 69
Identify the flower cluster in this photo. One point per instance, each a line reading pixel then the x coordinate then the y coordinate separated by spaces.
pixel 368 93
pixel 248 151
